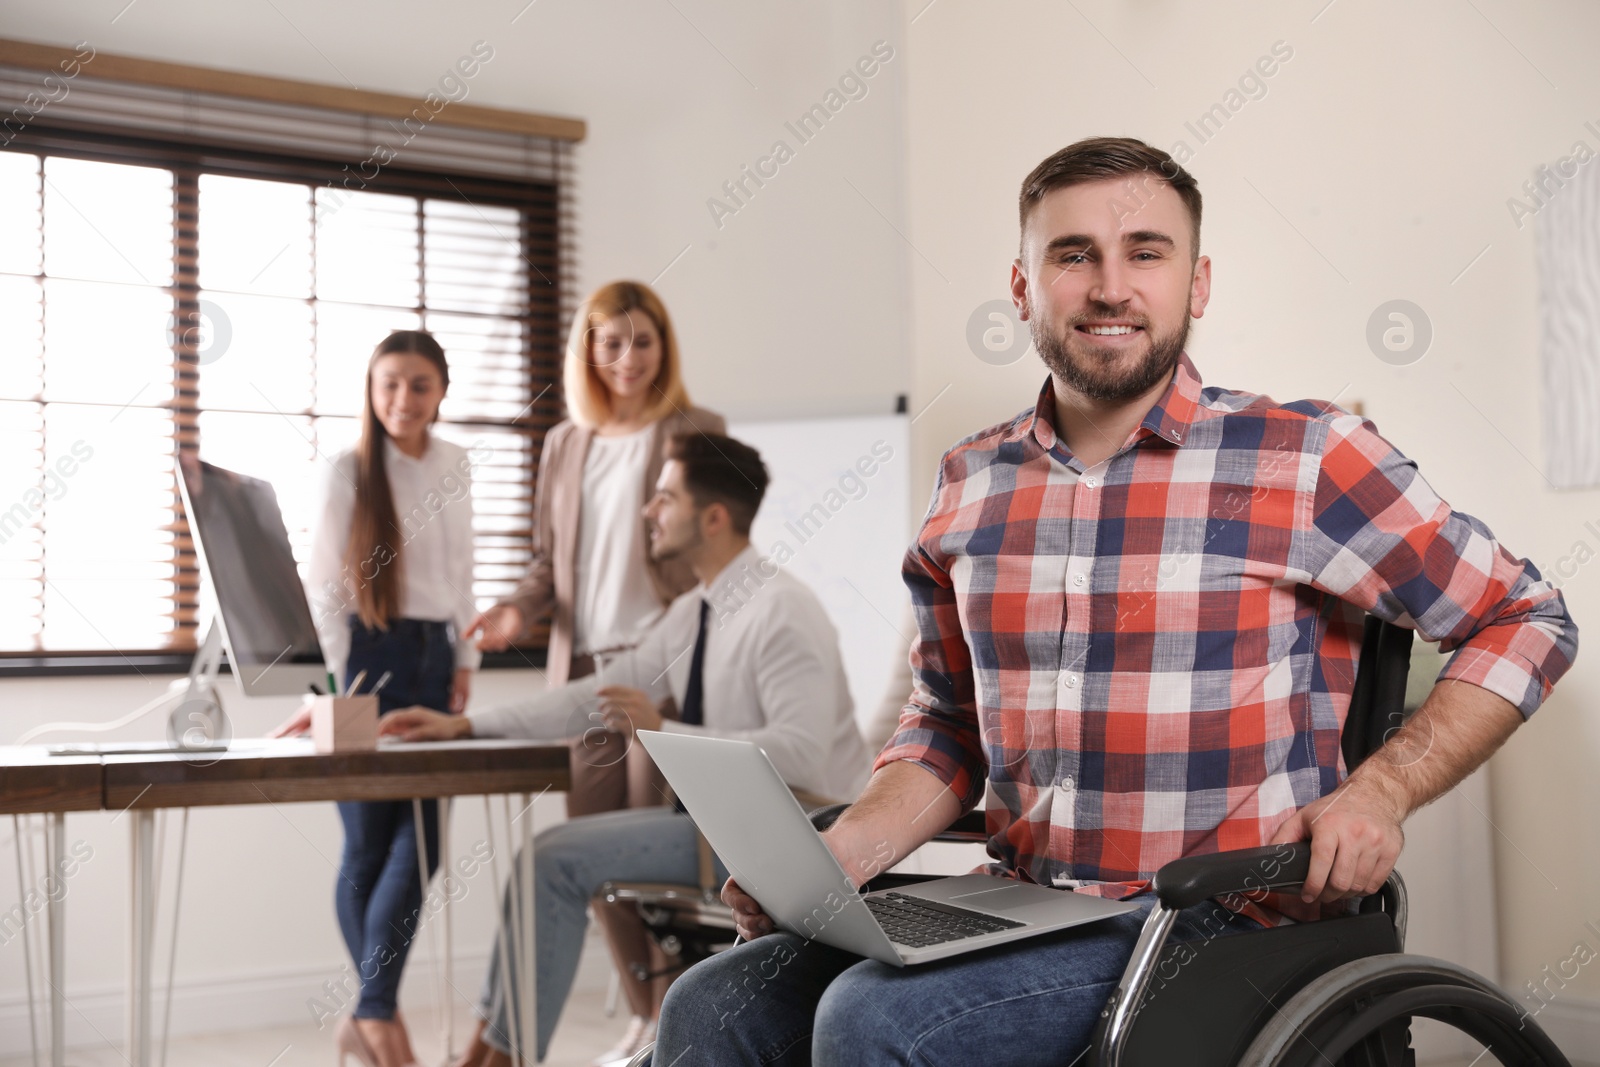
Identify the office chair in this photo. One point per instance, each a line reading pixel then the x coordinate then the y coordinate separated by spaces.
pixel 688 923
pixel 1338 992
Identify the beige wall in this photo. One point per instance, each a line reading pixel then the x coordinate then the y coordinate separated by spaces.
pixel 1377 166
pixel 807 274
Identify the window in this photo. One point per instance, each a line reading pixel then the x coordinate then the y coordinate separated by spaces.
pixel 157 296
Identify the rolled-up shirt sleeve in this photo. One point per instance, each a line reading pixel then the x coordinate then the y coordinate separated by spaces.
pixel 938 729
pixel 1383 540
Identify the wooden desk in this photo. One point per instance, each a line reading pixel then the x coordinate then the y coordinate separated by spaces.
pixel 33 782
pixel 256 771
pixel 288 771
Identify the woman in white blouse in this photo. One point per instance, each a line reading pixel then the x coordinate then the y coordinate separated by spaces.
pixel 391 578
pixel 591 573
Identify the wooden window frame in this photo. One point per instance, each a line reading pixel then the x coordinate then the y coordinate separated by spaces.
pixel 539 203
pixel 50 58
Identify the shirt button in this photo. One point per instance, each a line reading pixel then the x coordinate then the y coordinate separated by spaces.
pixel 1077 579
pixel 1071 681
pixel 1066 785
pixel 1090 482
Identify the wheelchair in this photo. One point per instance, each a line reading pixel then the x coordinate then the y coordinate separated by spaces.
pixel 1340 992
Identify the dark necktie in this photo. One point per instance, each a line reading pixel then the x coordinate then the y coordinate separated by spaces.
pixel 693 712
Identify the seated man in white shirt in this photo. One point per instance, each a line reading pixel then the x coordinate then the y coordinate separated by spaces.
pixel 748 654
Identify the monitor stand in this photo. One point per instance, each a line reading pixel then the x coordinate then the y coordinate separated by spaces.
pixel 197 722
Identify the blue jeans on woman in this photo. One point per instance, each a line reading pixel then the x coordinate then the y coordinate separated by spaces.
pixel 783 1000
pixel 378 896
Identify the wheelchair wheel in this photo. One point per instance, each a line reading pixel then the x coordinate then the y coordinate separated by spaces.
pixel 1333 1015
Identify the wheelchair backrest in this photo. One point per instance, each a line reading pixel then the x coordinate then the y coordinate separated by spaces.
pixel 1377 707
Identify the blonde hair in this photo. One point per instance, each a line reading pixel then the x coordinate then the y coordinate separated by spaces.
pixel 588 399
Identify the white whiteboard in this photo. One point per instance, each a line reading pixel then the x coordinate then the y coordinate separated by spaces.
pixel 844 532
pixel 1568 251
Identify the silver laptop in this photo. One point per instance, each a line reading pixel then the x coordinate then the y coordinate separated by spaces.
pixel 761 833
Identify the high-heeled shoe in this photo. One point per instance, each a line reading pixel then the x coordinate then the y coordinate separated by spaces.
pixel 349 1042
pixel 477 1048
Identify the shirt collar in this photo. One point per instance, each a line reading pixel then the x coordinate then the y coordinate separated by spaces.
pixel 1169 420
pixel 393 455
pixel 731 578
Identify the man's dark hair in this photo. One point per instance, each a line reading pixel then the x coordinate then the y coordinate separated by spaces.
pixel 719 470
pixel 1098 158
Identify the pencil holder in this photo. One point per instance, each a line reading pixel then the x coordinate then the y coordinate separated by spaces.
pixel 344 724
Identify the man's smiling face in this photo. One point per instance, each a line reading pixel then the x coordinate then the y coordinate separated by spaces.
pixel 1108 281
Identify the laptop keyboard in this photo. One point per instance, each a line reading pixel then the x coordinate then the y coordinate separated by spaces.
pixel 918 923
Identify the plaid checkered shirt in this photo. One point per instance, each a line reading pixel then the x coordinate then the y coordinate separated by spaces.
pixel 1152 658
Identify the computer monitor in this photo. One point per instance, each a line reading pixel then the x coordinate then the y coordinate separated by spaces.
pixel 243 545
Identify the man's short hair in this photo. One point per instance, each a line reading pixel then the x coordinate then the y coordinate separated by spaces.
pixel 719 470
pixel 1095 159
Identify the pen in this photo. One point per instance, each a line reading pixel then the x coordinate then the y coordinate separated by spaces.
pixel 383 680
pixel 333 686
pixel 355 683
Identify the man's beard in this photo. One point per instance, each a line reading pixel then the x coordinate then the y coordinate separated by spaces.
pixel 1091 375
pixel 668 552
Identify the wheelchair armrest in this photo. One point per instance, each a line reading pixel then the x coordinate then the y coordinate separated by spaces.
pixel 967 828
pixel 823 818
pixel 1186 882
pixel 972 826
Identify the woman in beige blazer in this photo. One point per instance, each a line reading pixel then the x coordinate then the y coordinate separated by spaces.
pixel 592 574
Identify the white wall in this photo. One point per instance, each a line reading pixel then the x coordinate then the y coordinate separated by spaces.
pixel 1377 166
pixel 677 97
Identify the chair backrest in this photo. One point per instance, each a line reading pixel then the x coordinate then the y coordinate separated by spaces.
pixel 1378 706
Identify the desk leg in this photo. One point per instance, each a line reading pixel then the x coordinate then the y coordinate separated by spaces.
pixel 141 929
pixel 448 1000
pixel 55 851
pixel 530 920
pixel 505 923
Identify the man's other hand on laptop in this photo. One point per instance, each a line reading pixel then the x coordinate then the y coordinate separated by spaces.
pixel 748 918
pixel 861 860
pixel 424 724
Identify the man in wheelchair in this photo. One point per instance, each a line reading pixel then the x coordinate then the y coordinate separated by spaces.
pixel 1140 607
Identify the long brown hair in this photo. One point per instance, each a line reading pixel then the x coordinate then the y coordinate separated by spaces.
pixel 369 554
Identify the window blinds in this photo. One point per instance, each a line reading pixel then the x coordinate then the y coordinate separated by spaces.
pixel 192 269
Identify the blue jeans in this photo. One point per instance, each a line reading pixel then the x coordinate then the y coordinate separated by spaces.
pixel 378 896
pixel 783 1000
pixel 570 862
